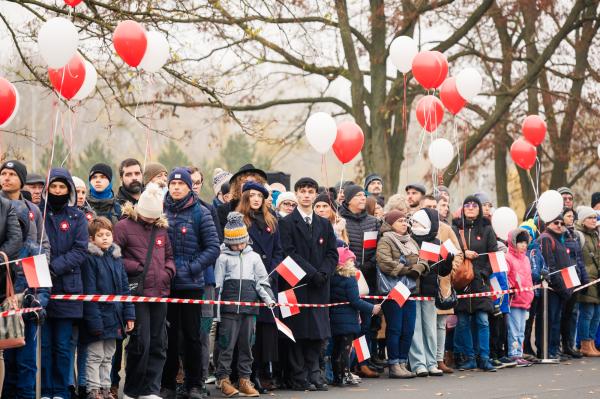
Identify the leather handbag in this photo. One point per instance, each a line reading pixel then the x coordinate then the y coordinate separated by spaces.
pixel 445 301
pixel 12 328
pixel 463 275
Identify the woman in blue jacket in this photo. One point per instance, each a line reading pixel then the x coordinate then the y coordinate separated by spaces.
pixel 66 227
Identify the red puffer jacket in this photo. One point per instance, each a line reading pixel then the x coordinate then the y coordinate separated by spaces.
pixel 132 235
pixel 519 272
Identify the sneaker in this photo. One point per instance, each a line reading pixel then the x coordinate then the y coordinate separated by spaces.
pixel 486 365
pixel 468 364
pixel 507 362
pixel 421 372
pixel 125 396
pixel 349 380
pixel 497 364
pixel 210 380
pixel 355 377
pixel 529 357
pixel 522 362
pixel 304 387
pixel 227 389
pixel 434 371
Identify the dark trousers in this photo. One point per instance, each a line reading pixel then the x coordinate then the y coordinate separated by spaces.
pixel 236 331
pixel 184 319
pixel 147 350
pixel 304 362
pixel 56 357
pixel 21 367
pixel 555 303
pixel 340 356
pixel 498 336
pixel 568 322
pixel 115 378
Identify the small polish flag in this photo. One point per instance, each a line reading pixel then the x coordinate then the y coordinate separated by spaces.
pixel 363 287
pixel 370 240
pixel 498 262
pixel 448 247
pixel 288 296
pixel 519 283
pixel 570 277
pixel 362 349
pixel 429 251
pixel 495 286
pixel 290 271
pixel 399 293
pixel 36 271
pixel 284 329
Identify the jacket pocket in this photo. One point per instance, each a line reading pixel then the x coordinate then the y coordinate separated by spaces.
pixel 72 282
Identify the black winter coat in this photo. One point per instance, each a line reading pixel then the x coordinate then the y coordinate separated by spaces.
pixel 556 258
pixel 316 253
pixel 356 226
pixel 11 239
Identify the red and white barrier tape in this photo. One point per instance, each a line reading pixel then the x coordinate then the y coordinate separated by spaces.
pixel 586 285
pixel 7 313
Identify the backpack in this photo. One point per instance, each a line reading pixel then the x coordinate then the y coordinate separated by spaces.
pixel 536 258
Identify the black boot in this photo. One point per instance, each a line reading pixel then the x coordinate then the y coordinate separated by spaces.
pixel 257 385
pixel 569 349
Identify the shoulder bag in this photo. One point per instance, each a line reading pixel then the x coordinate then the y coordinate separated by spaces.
pixel 463 275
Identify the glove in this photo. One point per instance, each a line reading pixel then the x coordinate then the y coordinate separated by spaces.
pixel 38 317
pixel 413 274
pixel 319 279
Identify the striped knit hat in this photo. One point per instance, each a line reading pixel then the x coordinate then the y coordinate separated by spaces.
pixel 235 229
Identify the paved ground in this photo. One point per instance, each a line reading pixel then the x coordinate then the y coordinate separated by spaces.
pixel 572 380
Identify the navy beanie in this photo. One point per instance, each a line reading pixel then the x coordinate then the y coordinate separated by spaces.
pixel 182 174
pixel 251 185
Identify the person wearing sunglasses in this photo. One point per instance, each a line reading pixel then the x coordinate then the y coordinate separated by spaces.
pixel 556 258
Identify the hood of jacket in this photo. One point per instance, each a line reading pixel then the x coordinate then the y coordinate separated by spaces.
pixel 130 213
pixel 225 249
pixel 385 227
pixel 95 250
pixel 62 174
pixel 512 241
pixel 433 216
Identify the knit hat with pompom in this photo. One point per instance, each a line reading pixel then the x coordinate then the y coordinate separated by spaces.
pixel 150 204
pixel 235 229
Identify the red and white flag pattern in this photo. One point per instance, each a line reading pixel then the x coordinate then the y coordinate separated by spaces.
pixel 370 240
pixel 290 271
pixel 363 287
pixel 498 262
pixel 399 293
pixel 448 247
pixel 429 251
pixel 284 329
pixel 570 277
pixel 362 349
pixel 496 287
pixel 36 271
pixel 287 297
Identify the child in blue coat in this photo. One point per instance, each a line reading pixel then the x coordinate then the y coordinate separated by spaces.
pixel 345 323
pixel 103 273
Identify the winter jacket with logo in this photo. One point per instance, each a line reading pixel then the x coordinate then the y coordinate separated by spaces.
pixel 591 259
pixel 194 241
pixel 519 272
pixel 241 276
pixel 133 236
pixel 104 274
pixel 67 232
pixel 344 288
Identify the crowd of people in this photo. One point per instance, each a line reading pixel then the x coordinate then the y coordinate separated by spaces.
pixel 156 237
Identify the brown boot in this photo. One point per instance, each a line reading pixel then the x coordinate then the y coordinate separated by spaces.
pixel 247 388
pixel 365 372
pixel 449 359
pixel 114 390
pixel 593 347
pixel 447 370
pixel 587 348
pixel 227 389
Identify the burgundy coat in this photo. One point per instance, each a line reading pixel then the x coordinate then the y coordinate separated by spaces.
pixel 132 235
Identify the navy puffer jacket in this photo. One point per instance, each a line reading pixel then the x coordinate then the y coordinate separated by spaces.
pixel 67 231
pixel 194 240
pixel 344 288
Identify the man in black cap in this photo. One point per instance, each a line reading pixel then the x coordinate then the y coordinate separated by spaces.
pixel 374 187
pixel 35 186
pixel 101 197
pixel 13 176
pixel 310 241
pixel 414 195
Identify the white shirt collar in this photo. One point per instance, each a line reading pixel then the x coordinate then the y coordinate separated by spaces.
pixel 304 215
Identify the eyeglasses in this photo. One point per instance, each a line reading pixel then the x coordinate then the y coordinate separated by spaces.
pixel 470 205
pixel 558 223
pixel 288 204
pixel 197 183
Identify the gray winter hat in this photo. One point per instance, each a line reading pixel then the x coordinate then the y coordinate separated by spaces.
pixel 416 186
pixel 235 231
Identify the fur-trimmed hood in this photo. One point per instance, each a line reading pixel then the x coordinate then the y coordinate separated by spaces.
pixel 130 212
pixel 346 271
pixel 95 250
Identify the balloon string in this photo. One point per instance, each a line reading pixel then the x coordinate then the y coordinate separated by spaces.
pixel 404 108
pixel 456 143
pixel 49 167
pixel 341 178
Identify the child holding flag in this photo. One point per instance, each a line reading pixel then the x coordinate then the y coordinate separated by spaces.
pixel 240 276
pixel 345 324
pixel 519 276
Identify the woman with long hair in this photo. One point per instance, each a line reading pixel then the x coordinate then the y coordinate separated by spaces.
pixel 324 207
pixel 264 234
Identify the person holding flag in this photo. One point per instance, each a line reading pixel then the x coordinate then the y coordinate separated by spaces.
pixel 476 237
pixel 309 240
pixel 398 258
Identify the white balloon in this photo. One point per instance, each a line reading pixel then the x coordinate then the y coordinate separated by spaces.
pixel 468 83
pixel 89 84
pixel 441 153
pixel 321 131
pixel 598 150
pixel 504 220
pixel 157 52
pixel 549 205
pixel 57 42
pixel 402 52
pixel 15 111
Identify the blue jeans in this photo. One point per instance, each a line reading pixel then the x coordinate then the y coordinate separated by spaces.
pixel 554 310
pixel 56 357
pixel 81 350
pixel 472 335
pixel 399 329
pixel 589 319
pixel 19 381
pixel 516 331
pixel 423 350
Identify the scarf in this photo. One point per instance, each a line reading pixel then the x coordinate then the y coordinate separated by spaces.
pixel 177 206
pixel 104 194
pixel 57 202
pixel 405 244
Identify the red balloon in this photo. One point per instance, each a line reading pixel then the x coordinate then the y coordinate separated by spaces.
pixel 8 100
pixel 430 68
pixel 430 113
pixel 73 3
pixel 450 97
pixel 348 141
pixel 523 153
pixel 534 129
pixel 130 42
pixel 68 80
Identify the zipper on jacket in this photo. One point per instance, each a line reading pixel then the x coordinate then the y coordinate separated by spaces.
pixel 241 274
